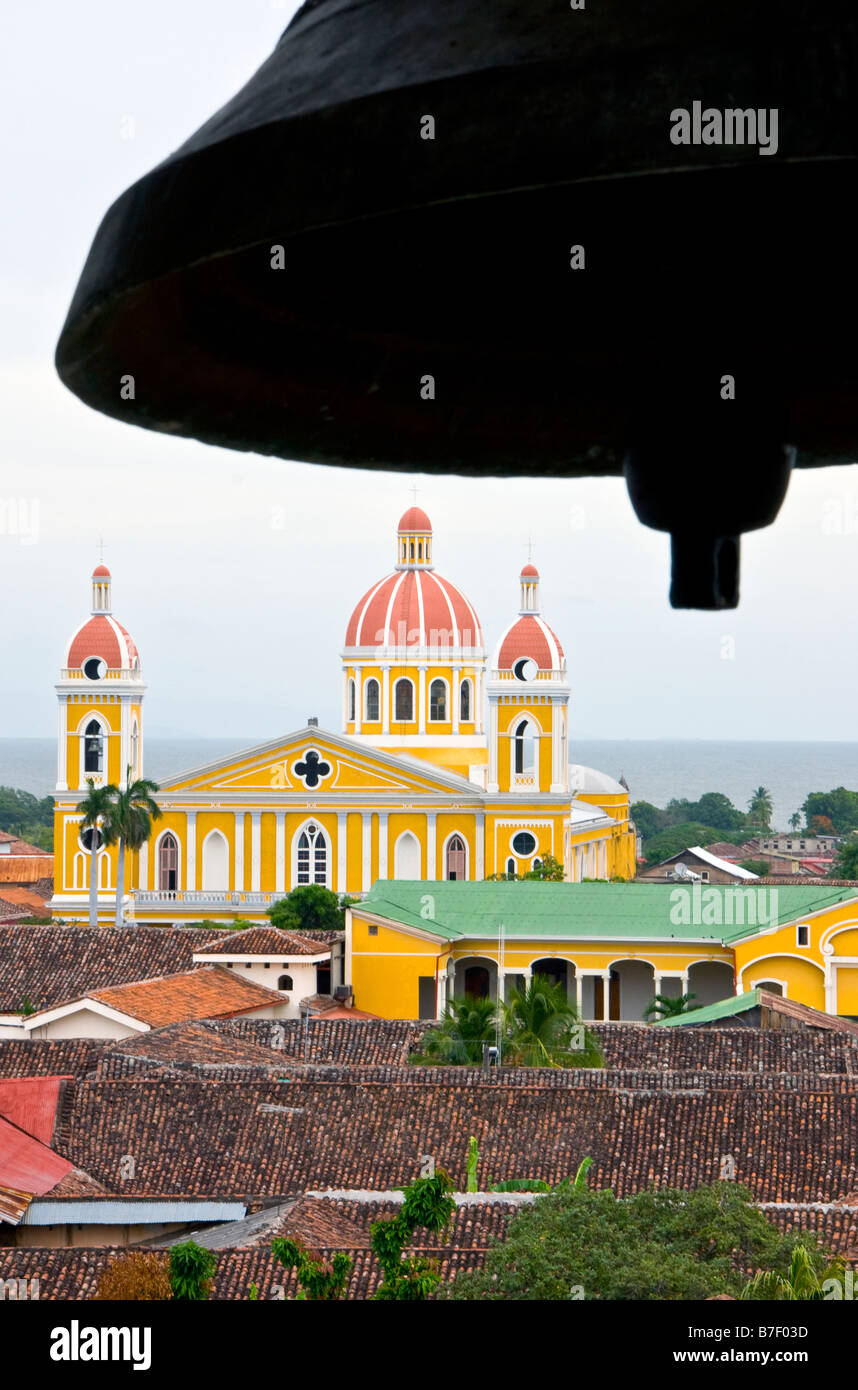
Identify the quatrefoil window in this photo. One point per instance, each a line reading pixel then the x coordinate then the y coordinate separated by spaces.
pixel 312 768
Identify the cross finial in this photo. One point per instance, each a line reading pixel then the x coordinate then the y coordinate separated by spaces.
pixel 101 549
pixel 530 547
pixel 414 490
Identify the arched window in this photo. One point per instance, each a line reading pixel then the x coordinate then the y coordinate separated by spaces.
pixel 215 863
pixel 312 864
pixel 510 868
pixel 351 701
pixel 524 744
pixel 465 701
pixel 457 859
pixel 285 982
pixel 438 700
pixel 406 857
pixel 168 864
pixel 93 747
pixel 404 701
pixel 372 700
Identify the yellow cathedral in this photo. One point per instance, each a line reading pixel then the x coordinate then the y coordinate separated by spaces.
pixel 448 766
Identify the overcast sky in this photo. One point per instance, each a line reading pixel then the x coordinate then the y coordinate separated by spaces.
pixel 235 574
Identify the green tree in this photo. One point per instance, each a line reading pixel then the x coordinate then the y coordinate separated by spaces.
pixel 648 819
pixel 95 810
pixel 714 808
pixel 541 1028
pixel 130 818
pixel 664 1243
pixel 28 817
pixel 821 825
pixel 802 1282
pixel 760 867
pixel 670 1006
pixel 427 1204
pixel 846 863
pixel 318 1280
pixel 310 907
pixel 678 838
pixel 839 805
pixel 473 1161
pixel 795 821
pixel 550 870
pixel 192 1270
pixel 458 1039
pixel 760 808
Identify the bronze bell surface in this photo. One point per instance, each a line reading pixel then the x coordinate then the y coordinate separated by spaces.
pixel 491 238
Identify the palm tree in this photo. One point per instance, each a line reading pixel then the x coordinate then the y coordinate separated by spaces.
pixel 801 1284
pixel 539 1026
pixel 671 1005
pixel 458 1039
pixel 795 820
pixel 760 807
pixel 96 807
pixel 130 819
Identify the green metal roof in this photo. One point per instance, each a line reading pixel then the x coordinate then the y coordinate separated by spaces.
pixel 617 911
pixel 725 1008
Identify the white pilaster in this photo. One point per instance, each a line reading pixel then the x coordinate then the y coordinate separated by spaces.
pixel 255 851
pixel 62 744
pixel 480 857
pixel 280 851
pixel 579 993
pixel 431 844
pixel 454 696
pixel 385 699
pixel 358 699
pixel 238 855
pixel 493 746
pixel 191 851
pixel 342 850
pixel 124 739
pixel 421 701
pixel 143 866
pixel 479 700
pixel 382 844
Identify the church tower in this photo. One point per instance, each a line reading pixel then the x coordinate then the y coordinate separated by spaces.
pixel 414 661
pixel 100 698
pixel 528 696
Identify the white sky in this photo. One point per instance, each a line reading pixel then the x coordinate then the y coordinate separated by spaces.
pixel 236 574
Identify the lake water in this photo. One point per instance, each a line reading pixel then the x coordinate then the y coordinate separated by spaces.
pixel 655 770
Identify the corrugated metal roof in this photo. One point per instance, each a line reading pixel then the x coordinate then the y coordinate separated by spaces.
pixel 30 1102
pixel 121 1213
pixel 13 1204
pixel 25 1164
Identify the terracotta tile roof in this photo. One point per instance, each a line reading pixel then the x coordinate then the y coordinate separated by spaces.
pixel 21 902
pixel 207 992
pixel 19 847
pixel 60 1057
pixel 264 941
pixel 198 1048
pixel 352 1040
pixel 48 964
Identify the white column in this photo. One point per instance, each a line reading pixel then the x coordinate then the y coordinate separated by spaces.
pixel 358 699
pixel 431 844
pixel 656 981
pixel 255 851
pixel 606 996
pixel 366 851
pixel 493 746
pixel 124 739
pixel 191 851
pixel 382 844
pixel 345 698
pixel 62 744
pixel 454 696
pixel 421 701
pixel 238 880
pixel 579 993
pixel 280 851
pixel 385 699
pixel 480 857
pixel 479 698
pixel 342 850
pixel 143 866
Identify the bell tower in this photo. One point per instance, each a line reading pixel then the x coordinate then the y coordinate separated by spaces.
pixel 528 699
pixel 100 699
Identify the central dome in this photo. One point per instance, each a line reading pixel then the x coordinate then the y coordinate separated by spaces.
pixel 414 607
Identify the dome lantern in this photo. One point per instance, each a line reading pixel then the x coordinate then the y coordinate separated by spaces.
pixel 414 540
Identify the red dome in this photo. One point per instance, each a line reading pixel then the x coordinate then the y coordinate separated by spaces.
pixel 101 635
pixel 414 608
pixel 530 572
pixel 416 520
pixel 529 636
pixel 101 572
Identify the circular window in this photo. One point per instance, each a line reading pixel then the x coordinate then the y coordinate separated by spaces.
pixel 523 844
pixel 94 668
pixel 525 669
pixel 86 839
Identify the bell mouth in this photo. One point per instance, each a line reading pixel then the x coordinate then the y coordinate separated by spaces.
pixel 457 337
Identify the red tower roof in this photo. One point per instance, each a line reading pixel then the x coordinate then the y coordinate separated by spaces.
pixel 529 636
pixel 415 519
pixel 416 608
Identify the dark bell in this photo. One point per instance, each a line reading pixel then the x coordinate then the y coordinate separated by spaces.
pixel 427 170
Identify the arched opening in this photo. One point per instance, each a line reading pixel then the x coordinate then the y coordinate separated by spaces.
pixel 215 863
pixel 438 701
pixel 476 978
pixel 403 700
pixel 312 855
pixel 456 866
pixel 373 701
pixel 770 986
pixel 711 981
pixel 559 972
pixel 285 982
pixel 351 701
pixel 465 702
pixel 168 864
pixel 93 747
pixel 524 748
pixel 406 857
pixel 510 868
pixel 632 990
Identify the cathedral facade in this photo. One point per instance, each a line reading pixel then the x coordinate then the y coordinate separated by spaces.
pixel 448 766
